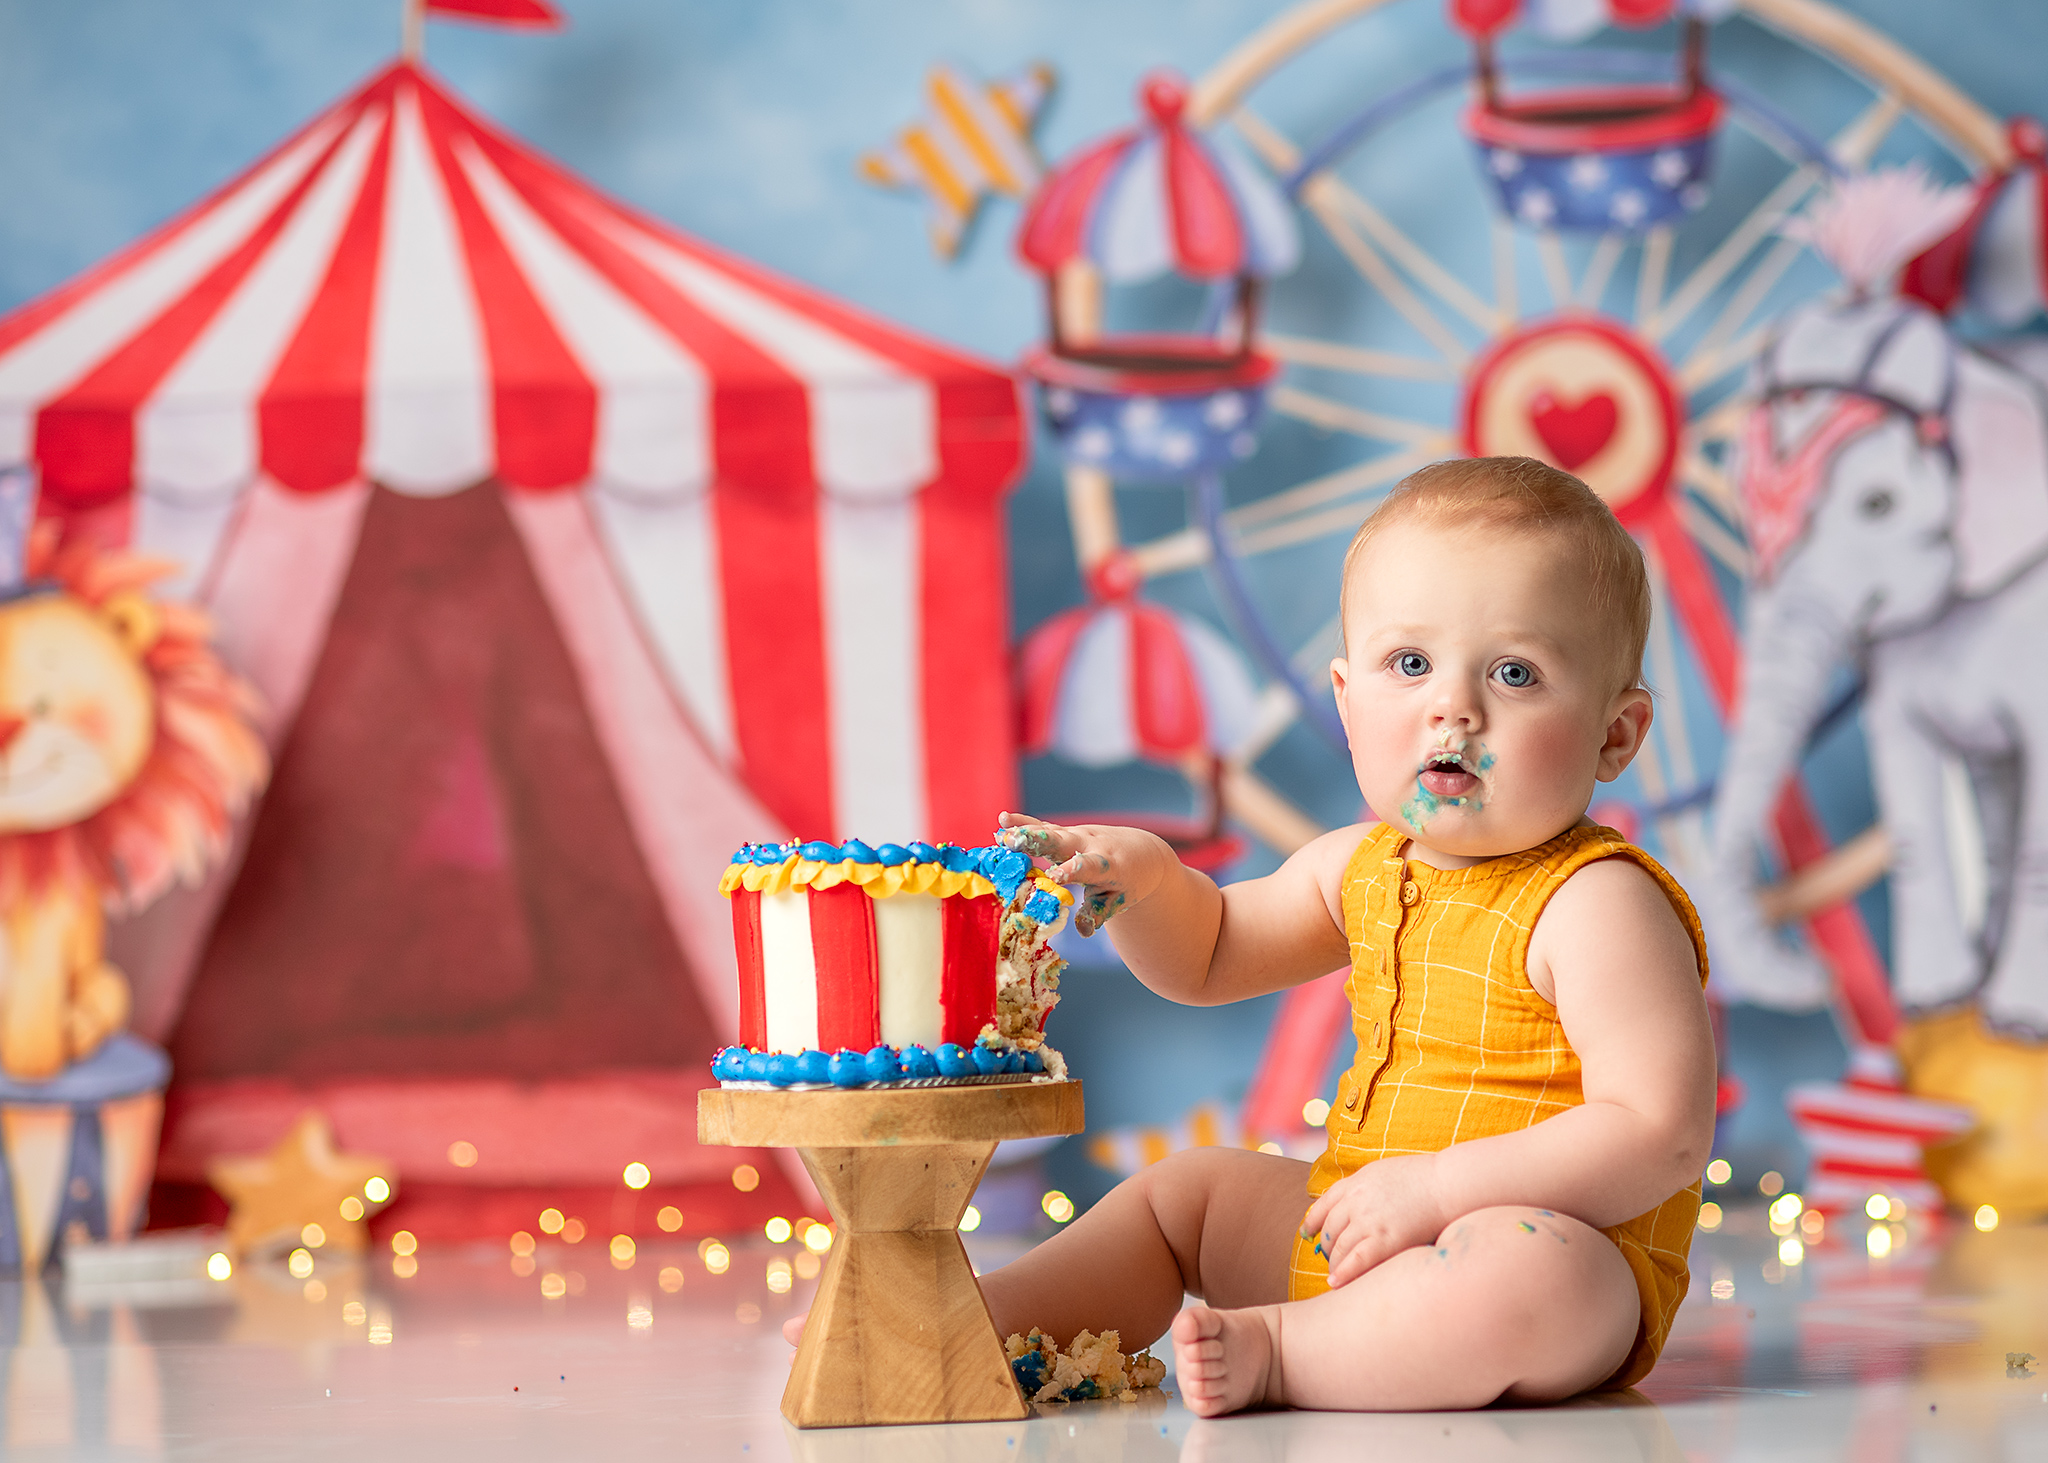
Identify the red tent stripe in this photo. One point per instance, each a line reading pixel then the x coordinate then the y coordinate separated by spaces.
pixel 916 354
pixel 970 756
pixel 768 563
pixel 736 366
pixel 85 438
pixel 37 313
pixel 543 403
pixel 311 412
pixel 765 501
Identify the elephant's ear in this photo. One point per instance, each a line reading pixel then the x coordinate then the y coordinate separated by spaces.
pixel 2000 432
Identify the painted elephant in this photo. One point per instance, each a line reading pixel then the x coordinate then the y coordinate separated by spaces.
pixel 1896 483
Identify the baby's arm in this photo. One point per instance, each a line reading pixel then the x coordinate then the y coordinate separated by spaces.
pixel 1181 935
pixel 1627 990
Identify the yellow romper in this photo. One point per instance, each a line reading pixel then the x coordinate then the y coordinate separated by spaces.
pixel 1454 1043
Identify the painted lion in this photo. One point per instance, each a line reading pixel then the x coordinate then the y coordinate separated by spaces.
pixel 126 750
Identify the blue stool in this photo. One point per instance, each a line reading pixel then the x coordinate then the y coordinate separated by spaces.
pixel 78 1149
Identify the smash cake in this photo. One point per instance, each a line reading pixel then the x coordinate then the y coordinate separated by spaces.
pixel 859 966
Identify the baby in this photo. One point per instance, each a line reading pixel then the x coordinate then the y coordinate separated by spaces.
pixel 1512 1174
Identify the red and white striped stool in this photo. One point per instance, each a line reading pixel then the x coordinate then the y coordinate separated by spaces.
pixel 1867 1134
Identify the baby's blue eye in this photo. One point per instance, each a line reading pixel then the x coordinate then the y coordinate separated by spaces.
pixel 1413 663
pixel 1514 673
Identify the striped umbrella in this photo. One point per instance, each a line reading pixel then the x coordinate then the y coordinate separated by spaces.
pixel 1160 198
pixel 1122 681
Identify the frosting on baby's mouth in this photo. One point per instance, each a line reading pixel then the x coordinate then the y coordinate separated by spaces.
pixel 1448 774
pixel 1450 777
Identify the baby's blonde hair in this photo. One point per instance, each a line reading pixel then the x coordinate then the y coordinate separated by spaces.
pixel 1522 494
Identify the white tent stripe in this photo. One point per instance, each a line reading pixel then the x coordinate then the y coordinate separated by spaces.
pixel 686 813
pixel 276 586
pixel 654 401
pixel 427 408
pixel 873 660
pixel 873 425
pixel 666 550
pixel 198 432
pixel 185 531
pixel 51 361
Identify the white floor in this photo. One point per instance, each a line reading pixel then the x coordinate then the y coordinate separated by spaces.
pixel 1840 1356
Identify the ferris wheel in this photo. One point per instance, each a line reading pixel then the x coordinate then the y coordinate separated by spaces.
pixel 1582 277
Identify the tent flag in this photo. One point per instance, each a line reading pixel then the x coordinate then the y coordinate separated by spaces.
pixel 532 13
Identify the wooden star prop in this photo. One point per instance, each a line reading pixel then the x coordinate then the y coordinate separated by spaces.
pixel 973 140
pixel 304 1180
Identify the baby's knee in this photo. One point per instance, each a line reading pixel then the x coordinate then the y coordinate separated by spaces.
pixel 1535 1261
pixel 1182 1183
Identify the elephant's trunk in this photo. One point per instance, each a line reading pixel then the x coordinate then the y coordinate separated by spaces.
pixel 1793 645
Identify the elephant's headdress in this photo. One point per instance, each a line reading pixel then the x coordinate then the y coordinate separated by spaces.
pixel 1869 224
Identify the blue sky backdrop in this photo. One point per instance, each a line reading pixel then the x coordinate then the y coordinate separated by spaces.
pixel 743 124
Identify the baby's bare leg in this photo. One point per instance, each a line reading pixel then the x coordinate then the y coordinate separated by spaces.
pixel 1510 1302
pixel 1213 1222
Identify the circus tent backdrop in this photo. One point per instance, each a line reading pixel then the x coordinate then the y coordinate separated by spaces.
pixel 568 553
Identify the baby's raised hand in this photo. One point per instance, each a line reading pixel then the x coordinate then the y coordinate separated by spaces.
pixel 1388 1206
pixel 1116 867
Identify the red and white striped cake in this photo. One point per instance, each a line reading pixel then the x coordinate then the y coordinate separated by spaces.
pixel 846 949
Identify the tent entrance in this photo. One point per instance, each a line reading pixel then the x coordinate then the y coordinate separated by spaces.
pixel 443 928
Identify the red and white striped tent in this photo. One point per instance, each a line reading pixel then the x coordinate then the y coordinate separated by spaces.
pixel 766 527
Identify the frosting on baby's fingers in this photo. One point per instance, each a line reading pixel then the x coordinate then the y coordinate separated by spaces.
pixel 1035 840
pixel 1097 906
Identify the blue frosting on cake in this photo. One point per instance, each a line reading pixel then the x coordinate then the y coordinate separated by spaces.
pixel 878 1064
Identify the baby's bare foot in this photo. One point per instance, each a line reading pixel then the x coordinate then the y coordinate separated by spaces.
pixel 1226 1360
pixel 793 1329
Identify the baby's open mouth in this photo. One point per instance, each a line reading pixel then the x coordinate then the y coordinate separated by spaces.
pixel 1446 775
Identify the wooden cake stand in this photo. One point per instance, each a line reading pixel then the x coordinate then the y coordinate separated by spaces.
pixel 898 1331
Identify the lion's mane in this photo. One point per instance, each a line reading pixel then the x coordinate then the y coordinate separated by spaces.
pixel 173 820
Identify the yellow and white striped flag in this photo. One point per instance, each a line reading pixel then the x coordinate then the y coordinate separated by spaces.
pixel 974 139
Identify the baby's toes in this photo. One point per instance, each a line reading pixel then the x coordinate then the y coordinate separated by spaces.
pixel 1196 1324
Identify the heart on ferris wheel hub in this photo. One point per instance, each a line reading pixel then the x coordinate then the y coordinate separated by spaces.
pixel 1586 394
pixel 1574 433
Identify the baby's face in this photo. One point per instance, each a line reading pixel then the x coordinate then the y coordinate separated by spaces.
pixel 1479 701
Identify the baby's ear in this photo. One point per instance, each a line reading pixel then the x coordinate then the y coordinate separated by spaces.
pixel 134 621
pixel 1628 727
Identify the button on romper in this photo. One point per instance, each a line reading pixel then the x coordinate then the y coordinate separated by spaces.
pixel 1454 1043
